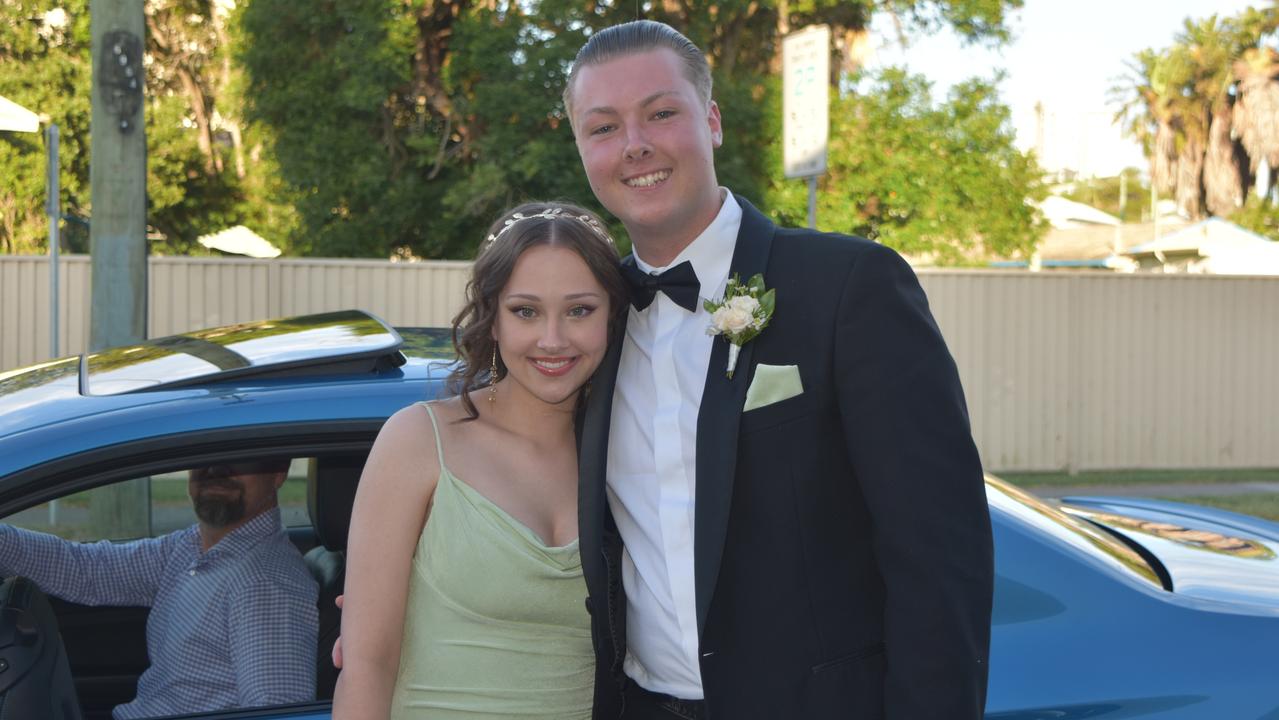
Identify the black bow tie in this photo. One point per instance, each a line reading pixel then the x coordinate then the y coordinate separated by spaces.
pixel 679 283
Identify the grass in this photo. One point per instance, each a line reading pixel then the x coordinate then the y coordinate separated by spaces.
pixel 1142 477
pixel 1265 505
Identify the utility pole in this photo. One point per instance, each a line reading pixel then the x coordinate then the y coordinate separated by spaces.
pixel 118 231
pixel 117 175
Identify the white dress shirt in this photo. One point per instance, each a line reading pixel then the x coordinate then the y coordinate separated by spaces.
pixel 652 454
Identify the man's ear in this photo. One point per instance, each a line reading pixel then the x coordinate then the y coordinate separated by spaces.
pixel 713 120
pixel 279 479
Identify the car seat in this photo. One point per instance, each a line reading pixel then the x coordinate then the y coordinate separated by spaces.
pixel 35 678
pixel 330 493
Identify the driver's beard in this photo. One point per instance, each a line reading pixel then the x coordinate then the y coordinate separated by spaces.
pixel 219 510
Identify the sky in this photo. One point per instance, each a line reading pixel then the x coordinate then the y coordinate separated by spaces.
pixel 1065 54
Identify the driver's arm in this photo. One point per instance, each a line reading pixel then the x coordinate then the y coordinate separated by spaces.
pixel 101 573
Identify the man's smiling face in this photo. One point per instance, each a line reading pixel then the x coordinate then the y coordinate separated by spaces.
pixel 647 142
pixel 227 495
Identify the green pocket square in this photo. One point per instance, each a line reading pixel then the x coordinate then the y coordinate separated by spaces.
pixel 772 383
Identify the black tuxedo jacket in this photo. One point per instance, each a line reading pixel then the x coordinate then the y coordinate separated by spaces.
pixel 842 542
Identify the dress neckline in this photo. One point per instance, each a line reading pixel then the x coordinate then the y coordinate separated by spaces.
pixel 528 533
pixel 513 521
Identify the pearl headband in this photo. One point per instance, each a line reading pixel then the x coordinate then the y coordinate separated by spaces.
pixel 555 213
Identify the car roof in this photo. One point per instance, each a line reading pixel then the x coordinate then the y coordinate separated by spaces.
pixel 319 368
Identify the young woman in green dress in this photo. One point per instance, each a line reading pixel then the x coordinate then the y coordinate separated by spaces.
pixel 464 595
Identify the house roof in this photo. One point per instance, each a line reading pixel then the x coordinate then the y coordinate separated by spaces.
pixel 1062 213
pixel 1092 242
pixel 1205 238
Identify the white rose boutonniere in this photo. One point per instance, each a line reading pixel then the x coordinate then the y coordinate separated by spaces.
pixel 741 315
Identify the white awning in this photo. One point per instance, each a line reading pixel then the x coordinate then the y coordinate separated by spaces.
pixel 240 240
pixel 17 118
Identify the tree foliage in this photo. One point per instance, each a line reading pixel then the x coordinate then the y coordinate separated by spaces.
pixel 199 179
pixel 1204 109
pixel 43 67
pixel 380 127
pixel 940 180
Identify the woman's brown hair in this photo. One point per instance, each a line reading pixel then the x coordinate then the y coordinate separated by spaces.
pixel 516 230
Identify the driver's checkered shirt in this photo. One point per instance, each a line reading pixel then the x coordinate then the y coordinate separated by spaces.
pixel 231 627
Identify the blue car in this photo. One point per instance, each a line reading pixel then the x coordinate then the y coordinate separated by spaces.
pixel 1104 607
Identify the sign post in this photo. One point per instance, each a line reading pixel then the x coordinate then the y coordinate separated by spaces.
pixel 806 107
pixel 53 207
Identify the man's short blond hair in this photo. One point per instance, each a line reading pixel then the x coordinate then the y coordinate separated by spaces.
pixel 637 37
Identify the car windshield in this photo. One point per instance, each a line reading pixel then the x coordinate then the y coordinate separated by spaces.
pixel 1073 531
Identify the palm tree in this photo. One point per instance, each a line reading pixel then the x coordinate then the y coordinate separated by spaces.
pixel 1176 72
pixel 1256 113
pixel 1144 113
pixel 1207 110
pixel 1203 57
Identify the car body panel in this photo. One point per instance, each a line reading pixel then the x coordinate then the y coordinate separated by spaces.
pixel 1074 636
pixel 1205 558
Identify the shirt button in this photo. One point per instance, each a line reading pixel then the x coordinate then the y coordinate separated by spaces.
pixel 193 572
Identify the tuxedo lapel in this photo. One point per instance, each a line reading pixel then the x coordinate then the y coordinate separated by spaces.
pixel 592 464
pixel 717 420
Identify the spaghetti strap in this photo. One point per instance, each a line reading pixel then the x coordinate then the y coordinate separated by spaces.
pixel 439 446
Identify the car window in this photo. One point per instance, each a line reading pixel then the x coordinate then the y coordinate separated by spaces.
pixel 106 595
pixel 147 506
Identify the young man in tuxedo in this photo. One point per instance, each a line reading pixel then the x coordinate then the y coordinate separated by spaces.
pixel 808 538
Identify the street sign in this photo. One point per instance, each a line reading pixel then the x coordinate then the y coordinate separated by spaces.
pixel 805 101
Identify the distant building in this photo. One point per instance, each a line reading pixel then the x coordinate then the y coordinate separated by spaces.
pixel 1214 246
pixel 1081 237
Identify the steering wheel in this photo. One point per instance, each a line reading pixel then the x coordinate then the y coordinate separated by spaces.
pixel 35 679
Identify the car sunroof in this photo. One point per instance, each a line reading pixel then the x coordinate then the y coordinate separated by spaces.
pixel 332 343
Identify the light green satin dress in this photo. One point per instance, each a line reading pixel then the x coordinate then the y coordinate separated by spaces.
pixel 496 625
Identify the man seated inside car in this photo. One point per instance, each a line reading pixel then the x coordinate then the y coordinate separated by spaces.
pixel 233 616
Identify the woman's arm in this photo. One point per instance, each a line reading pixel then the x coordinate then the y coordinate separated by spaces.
pixel 391 506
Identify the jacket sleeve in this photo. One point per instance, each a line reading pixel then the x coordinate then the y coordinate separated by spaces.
pixel 909 440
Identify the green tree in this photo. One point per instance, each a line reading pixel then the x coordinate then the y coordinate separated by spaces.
pixel 371 127
pixel 1203 109
pixel 43 66
pixel 941 181
pixel 409 123
pixel 206 169
pixel 199 179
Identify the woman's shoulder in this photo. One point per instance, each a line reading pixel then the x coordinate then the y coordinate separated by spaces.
pixel 418 425
pixel 407 439
pixel 406 424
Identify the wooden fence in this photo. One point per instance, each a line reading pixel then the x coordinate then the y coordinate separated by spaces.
pixel 1062 370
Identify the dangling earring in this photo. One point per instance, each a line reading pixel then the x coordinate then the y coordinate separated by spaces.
pixel 493 376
